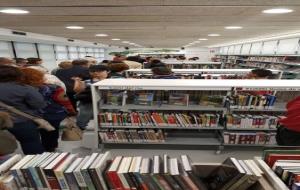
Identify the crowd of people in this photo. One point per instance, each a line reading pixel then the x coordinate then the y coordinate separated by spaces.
pixel 64 92
pixel 56 95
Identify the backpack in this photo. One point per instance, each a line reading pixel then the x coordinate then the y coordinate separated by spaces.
pixel 52 108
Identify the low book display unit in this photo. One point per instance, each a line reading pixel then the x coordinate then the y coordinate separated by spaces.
pixel 190 112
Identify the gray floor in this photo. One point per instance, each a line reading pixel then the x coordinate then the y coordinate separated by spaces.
pixel 196 155
pixel 207 156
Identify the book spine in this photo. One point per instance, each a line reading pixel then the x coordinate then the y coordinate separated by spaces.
pixel 95 179
pixel 80 180
pixel 116 181
pixel 71 180
pixel 88 180
pixel 35 177
pixel 50 175
pixel 61 180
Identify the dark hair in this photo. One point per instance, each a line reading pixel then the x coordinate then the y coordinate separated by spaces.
pixel 157 63
pixel 20 60
pixel 80 62
pixel 9 73
pixel 118 67
pixel 161 71
pixel 98 68
pixel 262 73
pixel 135 58
pixel 105 61
pixel 33 60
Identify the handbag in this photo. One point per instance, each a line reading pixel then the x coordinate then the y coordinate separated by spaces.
pixel 71 131
pixel 42 124
pixel 8 143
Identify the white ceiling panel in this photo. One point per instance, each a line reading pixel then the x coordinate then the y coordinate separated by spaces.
pixel 158 23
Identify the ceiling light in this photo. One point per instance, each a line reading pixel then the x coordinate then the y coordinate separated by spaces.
pixel 233 27
pixel 214 35
pixel 126 42
pixel 278 11
pixel 101 35
pixel 115 39
pixel 14 11
pixel 202 39
pixel 75 27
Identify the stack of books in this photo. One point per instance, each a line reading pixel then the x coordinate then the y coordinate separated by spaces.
pixel 104 172
pixel 286 165
pixel 155 119
pixel 138 136
pixel 240 121
pixel 255 138
pixel 115 98
pixel 143 98
pixel 179 99
pixel 248 101
pixel 212 100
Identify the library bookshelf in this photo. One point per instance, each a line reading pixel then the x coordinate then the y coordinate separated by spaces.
pixel 191 128
pixel 202 72
pixel 289 64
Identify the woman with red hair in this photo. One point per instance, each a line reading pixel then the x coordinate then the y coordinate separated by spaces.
pixel 57 109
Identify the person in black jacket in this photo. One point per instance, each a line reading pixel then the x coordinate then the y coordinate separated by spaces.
pixel 97 73
pixel 79 69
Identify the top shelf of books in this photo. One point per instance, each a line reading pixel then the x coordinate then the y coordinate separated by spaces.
pixel 194 85
pixel 192 63
pixel 203 71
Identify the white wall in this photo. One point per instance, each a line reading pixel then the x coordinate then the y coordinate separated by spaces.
pixel 204 54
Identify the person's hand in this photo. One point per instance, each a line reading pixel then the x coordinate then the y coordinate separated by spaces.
pixel 76 78
pixel 70 114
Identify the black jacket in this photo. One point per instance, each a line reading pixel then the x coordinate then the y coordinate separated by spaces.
pixel 66 75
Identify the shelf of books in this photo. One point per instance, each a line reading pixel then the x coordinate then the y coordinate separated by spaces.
pixel 193 64
pixel 290 65
pixel 277 169
pixel 190 112
pixel 200 73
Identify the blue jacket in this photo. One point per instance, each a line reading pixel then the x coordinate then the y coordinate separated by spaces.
pixel 23 97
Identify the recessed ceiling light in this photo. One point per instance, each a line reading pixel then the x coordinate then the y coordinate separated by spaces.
pixel 132 43
pixel 213 35
pixel 75 27
pixel 115 39
pixel 278 11
pixel 14 11
pixel 126 42
pixel 202 39
pixel 101 35
pixel 233 27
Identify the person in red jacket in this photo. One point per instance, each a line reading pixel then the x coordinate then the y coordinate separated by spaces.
pixel 288 134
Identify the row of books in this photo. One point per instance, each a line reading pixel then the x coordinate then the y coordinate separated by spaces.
pixel 251 121
pixel 255 138
pixel 101 171
pixel 120 135
pixel 285 163
pixel 146 119
pixel 267 59
pixel 248 101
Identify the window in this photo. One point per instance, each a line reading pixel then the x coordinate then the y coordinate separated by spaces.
pixel 6 49
pixel 46 52
pixel 73 52
pixel 61 52
pixel 269 48
pixel 82 52
pixel 288 46
pixel 90 52
pixel 25 50
pixel 256 48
